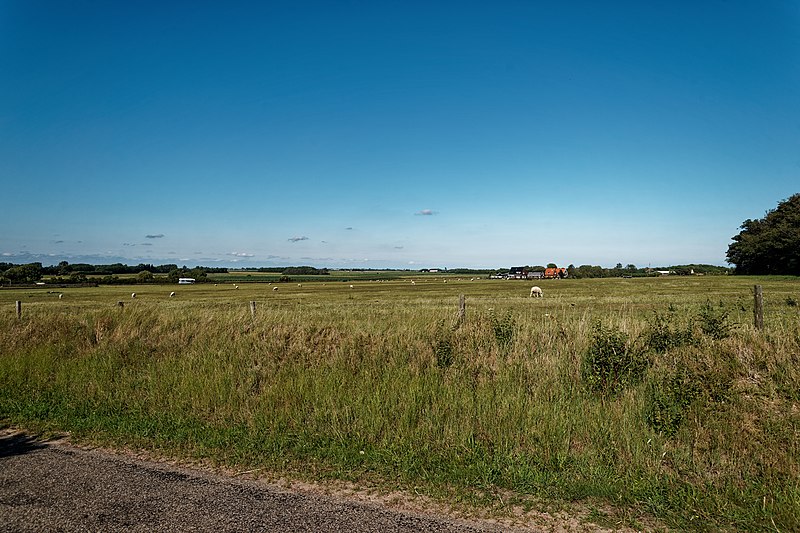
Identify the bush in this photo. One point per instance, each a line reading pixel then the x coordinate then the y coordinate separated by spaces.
pixel 714 322
pixel 611 362
pixel 503 329
pixel 443 346
pixel 668 398
pixel 661 336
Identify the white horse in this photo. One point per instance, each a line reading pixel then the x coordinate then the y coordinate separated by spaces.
pixel 536 292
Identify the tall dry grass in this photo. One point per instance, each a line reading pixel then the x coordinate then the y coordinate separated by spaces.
pixel 702 431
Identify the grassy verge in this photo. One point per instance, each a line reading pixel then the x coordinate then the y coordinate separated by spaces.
pixel 651 395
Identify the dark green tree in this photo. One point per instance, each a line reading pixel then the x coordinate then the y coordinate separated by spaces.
pixel 24 273
pixel 770 245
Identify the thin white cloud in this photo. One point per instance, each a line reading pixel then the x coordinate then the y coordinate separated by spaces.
pixel 241 254
pixel 425 212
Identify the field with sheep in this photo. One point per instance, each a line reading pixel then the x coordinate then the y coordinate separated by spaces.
pixel 649 402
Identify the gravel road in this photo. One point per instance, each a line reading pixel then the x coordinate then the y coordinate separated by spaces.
pixel 54 486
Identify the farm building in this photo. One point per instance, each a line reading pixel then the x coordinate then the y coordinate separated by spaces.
pixel 185 281
pixel 517 273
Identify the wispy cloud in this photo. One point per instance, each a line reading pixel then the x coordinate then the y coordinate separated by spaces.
pixel 426 212
pixel 156 236
pixel 398 247
pixel 241 254
pixel 296 239
pixel 147 244
pixel 349 228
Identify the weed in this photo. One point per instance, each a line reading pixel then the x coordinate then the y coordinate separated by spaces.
pixel 503 329
pixel 611 361
pixel 791 302
pixel 443 345
pixel 661 336
pixel 668 398
pixel 714 322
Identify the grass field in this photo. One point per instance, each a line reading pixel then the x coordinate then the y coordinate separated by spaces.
pixel 654 397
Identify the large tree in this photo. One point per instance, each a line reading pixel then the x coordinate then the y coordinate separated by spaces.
pixel 769 245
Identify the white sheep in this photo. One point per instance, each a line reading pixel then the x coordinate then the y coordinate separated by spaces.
pixel 60 296
pixel 412 282
pixel 299 284
pixel 172 294
pixel 536 292
pixel 274 288
pixel 351 286
pixel 133 295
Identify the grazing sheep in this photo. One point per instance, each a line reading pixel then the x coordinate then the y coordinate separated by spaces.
pixel 536 292
pixel 133 295
pixel 60 296
pixel 172 294
pixel 351 286
pixel 299 284
pixel 274 288
pixel 412 282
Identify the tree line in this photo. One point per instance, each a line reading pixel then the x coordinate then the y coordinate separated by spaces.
pixel 629 271
pixel 65 273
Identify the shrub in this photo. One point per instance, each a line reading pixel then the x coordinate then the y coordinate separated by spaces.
pixel 611 362
pixel 714 323
pixel 503 329
pixel 668 398
pixel 443 346
pixel 661 336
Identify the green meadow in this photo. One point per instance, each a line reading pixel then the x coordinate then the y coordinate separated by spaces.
pixel 648 400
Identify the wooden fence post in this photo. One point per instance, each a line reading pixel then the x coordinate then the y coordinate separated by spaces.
pixel 462 308
pixel 758 308
pixel 253 309
pixel 18 306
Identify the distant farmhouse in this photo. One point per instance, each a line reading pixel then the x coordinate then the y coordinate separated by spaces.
pixel 524 273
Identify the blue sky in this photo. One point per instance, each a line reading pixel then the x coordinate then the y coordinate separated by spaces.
pixel 393 134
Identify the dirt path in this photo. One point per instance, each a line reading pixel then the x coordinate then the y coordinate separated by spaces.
pixel 54 486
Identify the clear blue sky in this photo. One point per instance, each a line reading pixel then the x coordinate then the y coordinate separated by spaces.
pixel 393 134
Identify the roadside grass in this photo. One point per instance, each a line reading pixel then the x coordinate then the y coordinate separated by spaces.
pixel 653 396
